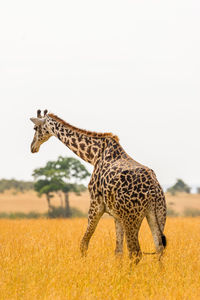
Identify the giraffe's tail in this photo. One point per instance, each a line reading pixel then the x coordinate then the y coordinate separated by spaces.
pixel 164 240
pixel 161 218
pixel 159 213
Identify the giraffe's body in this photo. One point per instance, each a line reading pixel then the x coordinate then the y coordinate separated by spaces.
pixel 119 185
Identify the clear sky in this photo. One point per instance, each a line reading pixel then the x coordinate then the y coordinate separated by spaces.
pixel 129 67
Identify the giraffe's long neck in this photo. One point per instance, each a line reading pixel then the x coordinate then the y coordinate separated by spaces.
pixel 87 147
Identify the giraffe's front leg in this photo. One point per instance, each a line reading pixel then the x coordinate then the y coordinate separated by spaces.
pixel 119 237
pixel 95 212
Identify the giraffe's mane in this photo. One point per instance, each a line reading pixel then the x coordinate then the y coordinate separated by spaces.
pixel 83 131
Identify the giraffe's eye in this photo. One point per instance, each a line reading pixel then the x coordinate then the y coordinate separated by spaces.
pixel 35 128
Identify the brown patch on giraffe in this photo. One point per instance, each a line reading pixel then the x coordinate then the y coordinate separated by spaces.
pixel 83 131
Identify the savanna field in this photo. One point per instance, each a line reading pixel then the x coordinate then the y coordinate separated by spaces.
pixel 40 259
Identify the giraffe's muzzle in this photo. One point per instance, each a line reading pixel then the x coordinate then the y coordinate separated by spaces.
pixel 34 148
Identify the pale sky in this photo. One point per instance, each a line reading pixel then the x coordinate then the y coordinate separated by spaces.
pixel 129 67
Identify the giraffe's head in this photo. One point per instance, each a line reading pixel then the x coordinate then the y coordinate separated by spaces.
pixel 42 131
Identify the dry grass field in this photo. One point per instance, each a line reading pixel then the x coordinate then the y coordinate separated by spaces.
pixel 40 259
pixel 10 201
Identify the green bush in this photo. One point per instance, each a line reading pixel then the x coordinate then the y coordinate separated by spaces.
pixel 171 212
pixel 60 212
pixel 191 212
pixel 76 213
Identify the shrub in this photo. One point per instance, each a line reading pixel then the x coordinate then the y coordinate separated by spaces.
pixel 171 212
pixel 60 212
pixel 191 212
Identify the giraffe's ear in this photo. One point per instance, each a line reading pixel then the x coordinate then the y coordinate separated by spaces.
pixel 38 121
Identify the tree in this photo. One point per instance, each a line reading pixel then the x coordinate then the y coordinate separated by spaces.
pixel 66 169
pixel 179 186
pixel 63 175
pixel 47 187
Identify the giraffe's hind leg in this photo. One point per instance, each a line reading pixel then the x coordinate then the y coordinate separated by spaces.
pixel 119 237
pixel 131 233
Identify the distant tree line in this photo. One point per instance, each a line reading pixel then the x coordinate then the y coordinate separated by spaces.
pixel 18 185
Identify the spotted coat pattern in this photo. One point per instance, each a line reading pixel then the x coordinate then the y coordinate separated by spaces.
pixel 119 186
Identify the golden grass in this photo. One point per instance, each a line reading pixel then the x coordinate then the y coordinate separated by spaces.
pixel 10 201
pixel 40 259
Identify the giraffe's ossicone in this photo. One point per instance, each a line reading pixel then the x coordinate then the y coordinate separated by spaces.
pixel 119 186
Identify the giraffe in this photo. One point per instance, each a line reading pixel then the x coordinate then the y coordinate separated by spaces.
pixel 119 185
